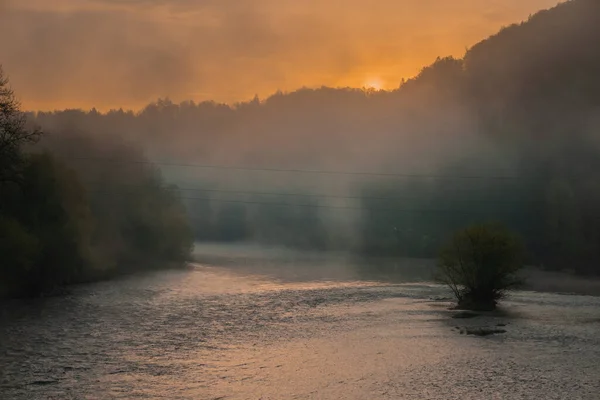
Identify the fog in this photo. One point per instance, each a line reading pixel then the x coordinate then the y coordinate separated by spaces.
pixel 109 54
pixel 384 172
pixel 502 134
pixel 287 264
pixel 343 233
pixel 298 168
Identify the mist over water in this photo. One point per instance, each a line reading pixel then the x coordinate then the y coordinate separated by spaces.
pixel 293 265
pixel 485 137
pixel 389 173
pixel 285 246
pixel 243 329
pixel 327 169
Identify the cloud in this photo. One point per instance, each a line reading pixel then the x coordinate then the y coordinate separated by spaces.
pixel 126 52
pixel 91 55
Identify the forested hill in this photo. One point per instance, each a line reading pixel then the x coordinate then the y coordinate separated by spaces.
pixel 551 59
pixel 510 132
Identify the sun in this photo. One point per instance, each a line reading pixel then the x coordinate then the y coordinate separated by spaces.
pixel 374 83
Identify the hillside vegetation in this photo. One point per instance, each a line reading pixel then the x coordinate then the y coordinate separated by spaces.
pixel 508 133
pixel 58 223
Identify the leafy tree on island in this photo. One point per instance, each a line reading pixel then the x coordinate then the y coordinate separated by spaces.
pixel 480 264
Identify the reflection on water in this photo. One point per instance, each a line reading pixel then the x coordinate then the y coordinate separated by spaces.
pixel 224 332
pixel 296 265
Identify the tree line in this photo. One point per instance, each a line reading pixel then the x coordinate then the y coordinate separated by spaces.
pixel 522 104
pixel 60 225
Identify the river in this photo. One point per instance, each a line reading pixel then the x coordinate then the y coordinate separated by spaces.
pixel 225 329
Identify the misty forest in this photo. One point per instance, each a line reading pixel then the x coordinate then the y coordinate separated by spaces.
pixel 61 224
pixel 508 135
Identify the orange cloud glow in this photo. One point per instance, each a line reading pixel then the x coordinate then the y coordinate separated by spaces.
pixel 113 53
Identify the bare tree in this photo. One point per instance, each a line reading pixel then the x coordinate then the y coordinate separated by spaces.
pixel 14 134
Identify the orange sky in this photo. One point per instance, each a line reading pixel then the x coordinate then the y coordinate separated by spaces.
pixel 112 53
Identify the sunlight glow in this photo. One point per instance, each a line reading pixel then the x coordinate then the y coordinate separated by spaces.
pixel 373 83
pixel 162 46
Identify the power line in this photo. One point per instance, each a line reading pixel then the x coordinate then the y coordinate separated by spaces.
pixel 322 195
pixel 300 171
pixel 368 209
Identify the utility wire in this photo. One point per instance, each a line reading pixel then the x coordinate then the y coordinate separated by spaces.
pixel 318 195
pixel 301 171
pixel 368 209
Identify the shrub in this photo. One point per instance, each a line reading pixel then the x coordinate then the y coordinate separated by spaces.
pixel 49 209
pixel 63 222
pixel 480 264
pixel 18 253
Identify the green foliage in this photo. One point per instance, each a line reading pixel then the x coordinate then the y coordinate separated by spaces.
pixel 530 94
pixel 522 103
pixel 272 221
pixel 139 222
pixel 54 231
pixel 51 206
pixel 19 251
pixel 480 263
pixel 155 229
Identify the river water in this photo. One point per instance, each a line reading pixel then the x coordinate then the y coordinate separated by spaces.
pixel 229 330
